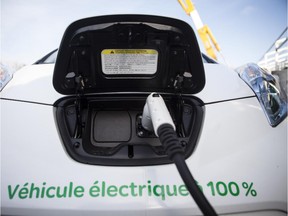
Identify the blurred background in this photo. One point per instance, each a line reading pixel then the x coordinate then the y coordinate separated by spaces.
pixel 245 30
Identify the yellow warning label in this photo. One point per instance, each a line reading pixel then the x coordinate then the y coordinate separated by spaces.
pixel 129 61
pixel 129 51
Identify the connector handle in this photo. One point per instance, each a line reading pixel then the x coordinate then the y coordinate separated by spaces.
pixel 155 113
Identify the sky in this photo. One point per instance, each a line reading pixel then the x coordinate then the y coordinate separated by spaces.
pixel 244 29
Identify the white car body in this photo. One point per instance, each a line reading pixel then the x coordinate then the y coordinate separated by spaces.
pixel 237 149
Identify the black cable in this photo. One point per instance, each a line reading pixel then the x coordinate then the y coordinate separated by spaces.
pixel 173 149
pixel 192 187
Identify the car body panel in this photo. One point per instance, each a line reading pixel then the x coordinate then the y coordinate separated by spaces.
pixel 235 156
pixel 37 82
pixel 237 148
pixel 39 88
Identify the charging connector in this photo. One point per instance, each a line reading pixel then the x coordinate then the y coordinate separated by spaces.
pixel 157 117
pixel 155 113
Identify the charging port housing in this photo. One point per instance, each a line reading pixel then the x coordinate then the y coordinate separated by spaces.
pixel 111 132
pixel 106 66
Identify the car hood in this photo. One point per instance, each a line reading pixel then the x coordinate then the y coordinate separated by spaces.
pixel 34 84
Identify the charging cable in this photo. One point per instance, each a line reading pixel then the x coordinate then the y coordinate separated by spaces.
pixel 157 117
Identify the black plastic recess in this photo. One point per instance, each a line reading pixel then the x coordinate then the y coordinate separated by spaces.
pixel 177 59
pixel 108 129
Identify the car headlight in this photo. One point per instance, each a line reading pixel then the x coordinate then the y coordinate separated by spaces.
pixel 5 76
pixel 267 90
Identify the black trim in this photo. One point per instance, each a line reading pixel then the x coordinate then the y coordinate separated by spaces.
pixel 208 59
pixel 233 99
pixel 43 59
pixel 23 101
pixel 214 102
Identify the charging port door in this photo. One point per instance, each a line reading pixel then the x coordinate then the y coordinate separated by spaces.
pixel 129 53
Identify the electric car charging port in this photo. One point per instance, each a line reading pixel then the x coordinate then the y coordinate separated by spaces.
pixel 107 129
